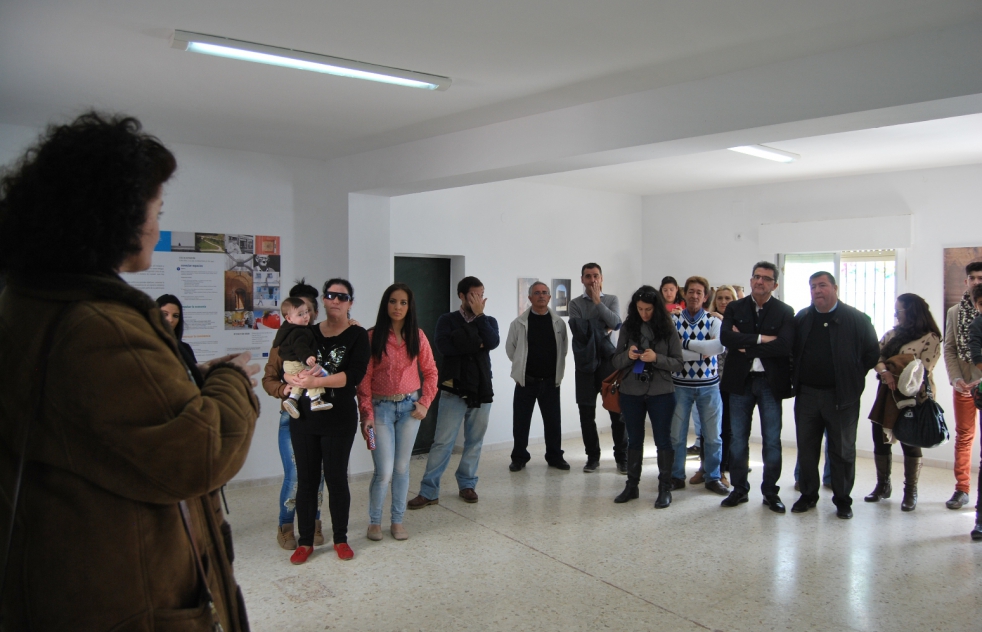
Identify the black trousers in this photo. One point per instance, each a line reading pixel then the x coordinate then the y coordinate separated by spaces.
pixel 881 447
pixel 311 453
pixel 547 394
pixel 814 415
pixel 590 383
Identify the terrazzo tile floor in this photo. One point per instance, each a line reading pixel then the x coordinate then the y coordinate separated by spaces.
pixel 549 550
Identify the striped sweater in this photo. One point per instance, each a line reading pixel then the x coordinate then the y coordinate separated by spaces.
pixel 700 346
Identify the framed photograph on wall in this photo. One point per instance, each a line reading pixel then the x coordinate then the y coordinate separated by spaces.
pixel 560 296
pixel 524 283
pixel 955 260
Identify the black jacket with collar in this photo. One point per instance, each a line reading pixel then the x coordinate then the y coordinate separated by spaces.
pixel 855 350
pixel 776 319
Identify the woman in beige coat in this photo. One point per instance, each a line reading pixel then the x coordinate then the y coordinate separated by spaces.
pixel 124 453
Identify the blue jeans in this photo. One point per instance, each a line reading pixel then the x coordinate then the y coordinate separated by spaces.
pixel 395 434
pixel 453 412
pixel 756 392
pixel 696 425
pixel 710 406
pixel 288 492
pixel 659 409
pixel 826 473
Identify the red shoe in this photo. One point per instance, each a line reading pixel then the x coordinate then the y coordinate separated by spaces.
pixel 301 554
pixel 344 551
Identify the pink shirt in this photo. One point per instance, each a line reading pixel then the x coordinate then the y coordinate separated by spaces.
pixel 396 374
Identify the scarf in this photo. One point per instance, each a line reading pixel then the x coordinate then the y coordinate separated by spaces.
pixel 966 314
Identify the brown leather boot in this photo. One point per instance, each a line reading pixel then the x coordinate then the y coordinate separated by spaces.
pixel 318 534
pixel 912 471
pixel 285 537
pixel 883 487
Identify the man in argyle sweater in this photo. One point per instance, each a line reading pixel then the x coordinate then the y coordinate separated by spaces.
pixel 698 384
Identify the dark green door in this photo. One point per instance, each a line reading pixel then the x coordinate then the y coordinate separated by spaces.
pixel 429 277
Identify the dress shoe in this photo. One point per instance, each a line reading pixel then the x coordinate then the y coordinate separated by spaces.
pixel 318 534
pixel 977 531
pixel 560 464
pixel 374 532
pixel 797 487
pixel 622 467
pixel 344 551
pixel 421 501
pixel 515 466
pixel 957 501
pixel 398 531
pixel 698 477
pixel 468 494
pixel 735 498
pixel 678 483
pixel 773 502
pixel 591 465
pixel 802 505
pixel 717 488
pixel 844 513
pixel 692 450
pixel 301 554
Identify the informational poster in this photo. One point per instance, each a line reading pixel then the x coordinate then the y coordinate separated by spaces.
pixel 524 285
pixel 560 296
pixel 229 285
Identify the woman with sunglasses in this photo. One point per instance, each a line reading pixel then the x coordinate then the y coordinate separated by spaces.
pixel 391 404
pixel 648 352
pixel 323 439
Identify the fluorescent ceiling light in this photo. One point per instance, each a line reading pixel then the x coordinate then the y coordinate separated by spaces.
pixel 300 60
pixel 762 151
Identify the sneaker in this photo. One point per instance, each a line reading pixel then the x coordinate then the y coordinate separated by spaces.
pixel 693 450
pixel 344 551
pixel 957 501
pixel 320 404
pixel 290 406
pixel 301 554
pixel 515 466
pixel 374 532
pixel 591 465
pixel 561 464
pixel 285 537
pixel 622 467
pixel 698 477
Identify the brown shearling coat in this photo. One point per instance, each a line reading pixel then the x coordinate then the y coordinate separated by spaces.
pixel 123 436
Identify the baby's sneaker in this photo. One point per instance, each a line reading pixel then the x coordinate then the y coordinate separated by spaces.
pixel 290 406
pixel 320 404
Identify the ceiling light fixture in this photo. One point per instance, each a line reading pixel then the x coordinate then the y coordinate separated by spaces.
pixel 300 60
pixel 762 151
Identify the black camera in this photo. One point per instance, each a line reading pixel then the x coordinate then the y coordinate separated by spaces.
pixel 646 375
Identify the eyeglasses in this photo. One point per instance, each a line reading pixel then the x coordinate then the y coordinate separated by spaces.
pixel 341 296
pixel 541 293
pixel 757 277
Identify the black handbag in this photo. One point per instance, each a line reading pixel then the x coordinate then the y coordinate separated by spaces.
pixel 922 425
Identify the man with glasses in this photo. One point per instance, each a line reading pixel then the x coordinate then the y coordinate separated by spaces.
pixel 536 345
pixel 465 338
pixel 591 318
pixel 758 331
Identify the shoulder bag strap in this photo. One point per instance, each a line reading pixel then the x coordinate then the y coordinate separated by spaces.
pixel 205 590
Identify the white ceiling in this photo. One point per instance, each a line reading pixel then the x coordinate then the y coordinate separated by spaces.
pixel 928 144
pixel 508 58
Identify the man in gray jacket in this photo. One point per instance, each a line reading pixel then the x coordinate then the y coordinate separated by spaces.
pixel 604 311
pixel 536 345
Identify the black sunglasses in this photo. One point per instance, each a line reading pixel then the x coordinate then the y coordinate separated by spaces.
pixel 341 296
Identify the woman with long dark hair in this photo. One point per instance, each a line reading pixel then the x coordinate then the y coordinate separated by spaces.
pixel 390 403
pixel 121 458
pixel 648 352
pixel 916 335
pixel 323 439
pixel 173 312
pixel 669 290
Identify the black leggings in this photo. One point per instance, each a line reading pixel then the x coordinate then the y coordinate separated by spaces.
pixel 879 447
pixel 311 452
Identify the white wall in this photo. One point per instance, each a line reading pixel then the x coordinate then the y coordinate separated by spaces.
pixel 944 204
pixel 508 230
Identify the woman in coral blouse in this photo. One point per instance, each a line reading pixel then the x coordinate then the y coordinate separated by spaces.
pixel 390 403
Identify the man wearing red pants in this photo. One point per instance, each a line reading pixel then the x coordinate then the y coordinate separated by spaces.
pixel 963 376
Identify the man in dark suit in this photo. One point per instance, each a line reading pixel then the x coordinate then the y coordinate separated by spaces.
pixel 758 332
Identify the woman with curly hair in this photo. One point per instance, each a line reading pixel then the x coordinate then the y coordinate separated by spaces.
pixel 108 440
pixel 648 352
pixel 915 336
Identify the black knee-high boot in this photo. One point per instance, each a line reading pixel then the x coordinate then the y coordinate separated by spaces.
pixel 666 460
pixel 633 476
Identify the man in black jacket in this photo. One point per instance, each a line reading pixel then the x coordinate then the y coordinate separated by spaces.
pixel 465 338
pixel 835 347
pixel 758 332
